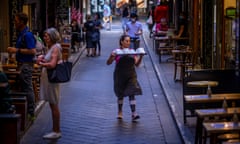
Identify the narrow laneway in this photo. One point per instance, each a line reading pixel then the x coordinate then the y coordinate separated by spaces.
pixel 89 110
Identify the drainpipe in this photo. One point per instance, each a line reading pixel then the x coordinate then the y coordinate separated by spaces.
pixel 195 30
pixel 46 5
pixel 237 33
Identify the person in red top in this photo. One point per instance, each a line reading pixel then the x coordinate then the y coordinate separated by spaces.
pixel 161 11
pixel 162 26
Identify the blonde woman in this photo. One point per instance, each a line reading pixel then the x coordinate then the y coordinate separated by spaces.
pixel 50 92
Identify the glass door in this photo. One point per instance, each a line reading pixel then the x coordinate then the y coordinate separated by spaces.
pixel 230 38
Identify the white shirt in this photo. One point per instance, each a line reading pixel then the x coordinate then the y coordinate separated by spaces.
pixel 106 11
pixel 132 28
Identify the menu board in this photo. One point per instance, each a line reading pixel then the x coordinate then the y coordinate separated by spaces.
pixel 62 11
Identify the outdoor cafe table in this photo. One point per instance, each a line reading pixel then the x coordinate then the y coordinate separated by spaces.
pixel 216 128
pixel 213 98
pixel 214 112
pixel 166 39
pixel 207 84
pixel 12 73
pixel 193 102
pixel 202 83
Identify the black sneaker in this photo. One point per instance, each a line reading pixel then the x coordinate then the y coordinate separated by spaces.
pixel 136 117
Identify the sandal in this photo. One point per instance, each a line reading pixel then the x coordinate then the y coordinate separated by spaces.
pixel 120 116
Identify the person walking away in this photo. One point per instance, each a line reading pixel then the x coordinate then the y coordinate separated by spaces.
pixel 89 28
pixel 75 37
pixel 107 16
pixel 125 77
pixel 134 30
pixel 150 25
pixel 98 27
pixel 50 92
pixel 125 17
pixel 25 52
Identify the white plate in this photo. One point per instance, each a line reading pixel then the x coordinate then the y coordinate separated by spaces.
pixel 131 54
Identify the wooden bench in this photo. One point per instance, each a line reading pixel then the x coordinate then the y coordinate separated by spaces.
pixel 228 82
pixel 10 128
pixel 19 100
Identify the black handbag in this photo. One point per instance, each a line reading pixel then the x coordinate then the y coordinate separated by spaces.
pixel 61 73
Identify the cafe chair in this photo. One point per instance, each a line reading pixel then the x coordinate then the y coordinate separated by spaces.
pixel 178 62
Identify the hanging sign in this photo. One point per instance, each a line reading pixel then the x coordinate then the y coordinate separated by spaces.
pixel 97 6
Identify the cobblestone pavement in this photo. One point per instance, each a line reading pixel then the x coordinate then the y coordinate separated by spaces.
pixel 88 106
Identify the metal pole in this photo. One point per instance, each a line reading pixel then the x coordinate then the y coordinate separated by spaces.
pixel 97 6
pixel 237 33
pixel 195 30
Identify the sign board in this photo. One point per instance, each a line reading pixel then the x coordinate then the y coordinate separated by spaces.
pixel 97 6
pixel 120 3
pixel 230 12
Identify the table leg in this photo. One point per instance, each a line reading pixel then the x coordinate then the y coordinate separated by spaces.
pixel 160 57
pixel 153 39
pixel 198 133
pixel 204 137
pixel 213 138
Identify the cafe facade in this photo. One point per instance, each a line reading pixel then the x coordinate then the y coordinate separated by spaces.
pixel 213 30
pixel 212 25
pixel 42 14
pixel 214 33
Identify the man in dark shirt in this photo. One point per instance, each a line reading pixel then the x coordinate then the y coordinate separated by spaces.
pixel 182 29
pixel 25 52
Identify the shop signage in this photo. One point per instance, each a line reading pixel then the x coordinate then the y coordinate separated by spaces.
pixel 97 6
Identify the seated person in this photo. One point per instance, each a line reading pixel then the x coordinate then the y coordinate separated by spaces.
pixel 182 29
pixel 162 28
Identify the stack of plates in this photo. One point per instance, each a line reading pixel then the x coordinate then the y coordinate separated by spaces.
pixel 127 51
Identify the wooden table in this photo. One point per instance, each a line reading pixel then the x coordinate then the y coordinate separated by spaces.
pixel 202 83
pixel 207 84
pixel 14 66
pixel 203 98
pixel 165 39
pixel 214 112
pixel 12 72
pixel 216 128
pixel 203 101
